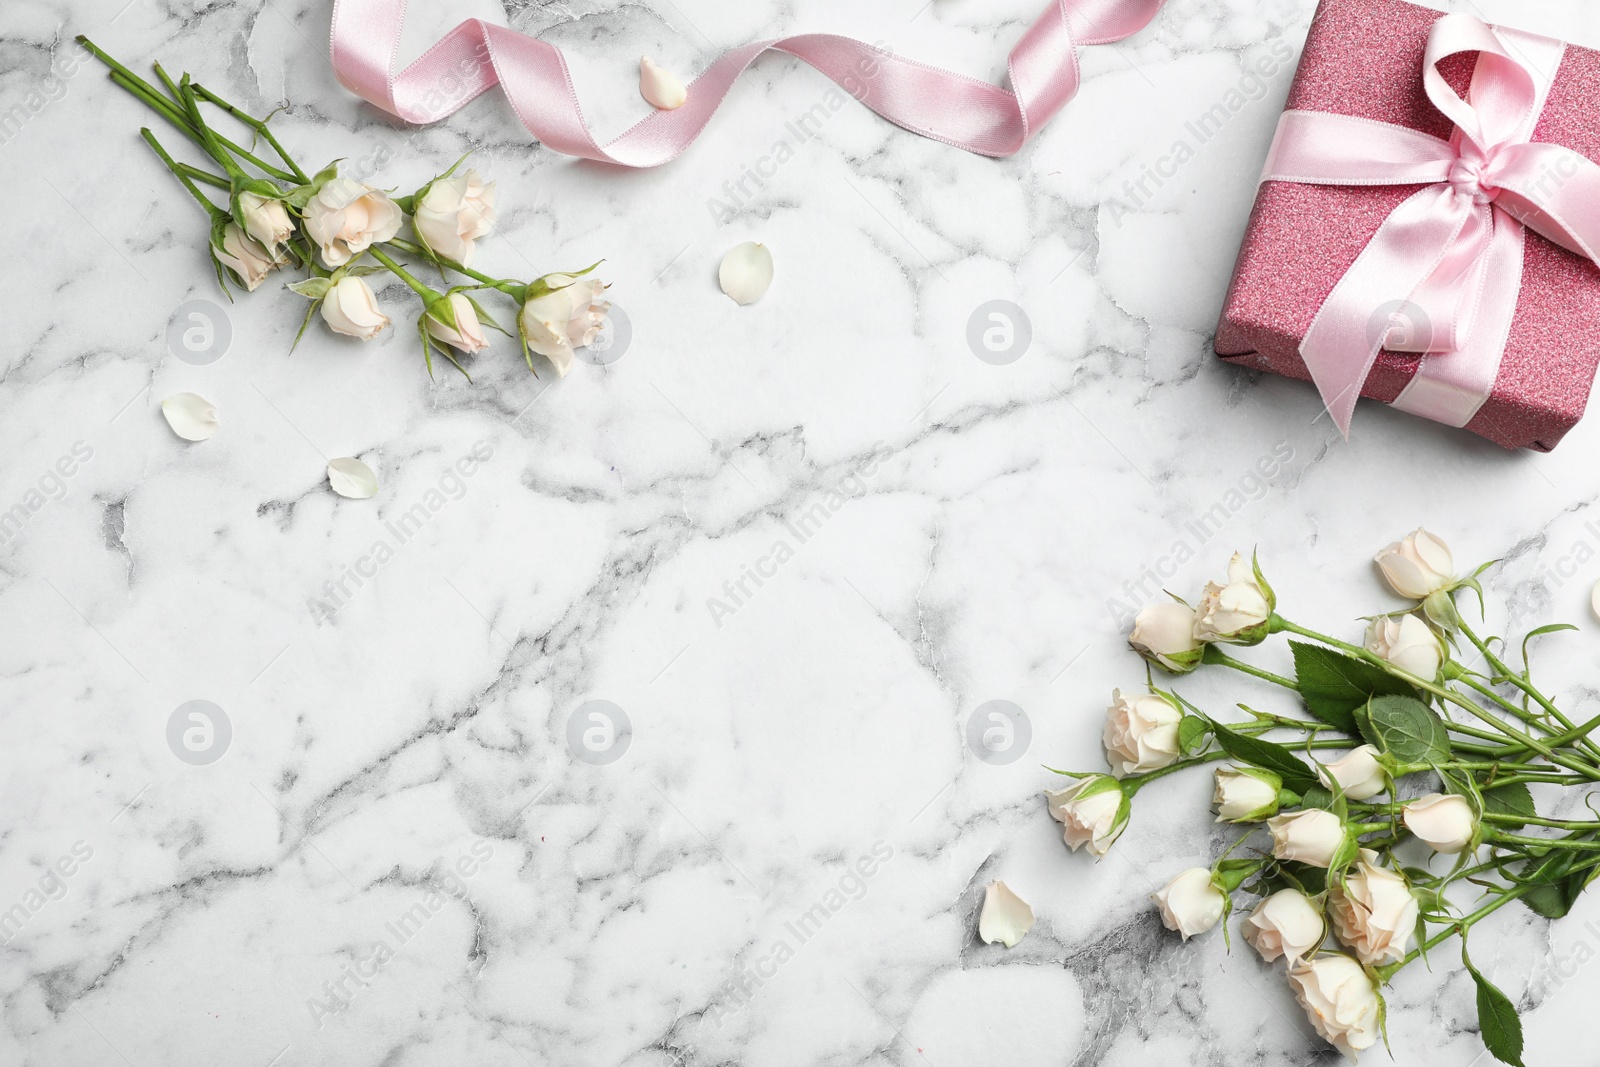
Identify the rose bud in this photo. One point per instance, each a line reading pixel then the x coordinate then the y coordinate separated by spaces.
pixel 1190 904
pixel 1373 912
pixel 1408 643
pixel 346 217
pixel 1092 812
pixel 1445 822
pixel 1339 999
pixel 1285 924
pixel 1245 794
pixel 1358 773
pixel 468 333
pixel 1235 613
pixel 569 316
pixel 1314 836
pixel 244 255
pixel 452 213
pixel 266 220
pixel 351 308
pixel 1164 634
pixel 1141 733
pixel 1418 565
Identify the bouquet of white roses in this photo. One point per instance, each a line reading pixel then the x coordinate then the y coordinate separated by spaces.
pixel 1419 744
pixel 338 231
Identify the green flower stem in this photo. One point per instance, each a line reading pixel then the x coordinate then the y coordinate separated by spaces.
pixel 1500 837
pixel 177 169
pixel 428 295
pixel 1575 825
pixel 258 125
pixel 1388 971
pixel 204 176
pixel 1527 687
pixel 1214 654
pixel 1139 781
pixel 510 287
pixel 1527 741
pixel 167 109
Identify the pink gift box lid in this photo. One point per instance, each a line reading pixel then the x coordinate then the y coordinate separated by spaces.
pixel 1364 58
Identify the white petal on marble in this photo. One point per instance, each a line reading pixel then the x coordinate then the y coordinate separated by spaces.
pixel 746 272
pixel 352 478
pixel 661 87
pixel 191 416
pixel 1005 918
pixel 1594 600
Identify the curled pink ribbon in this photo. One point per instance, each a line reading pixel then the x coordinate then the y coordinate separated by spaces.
pixel 1442 274
pixel 953 108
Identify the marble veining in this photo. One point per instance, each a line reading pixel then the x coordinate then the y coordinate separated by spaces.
pixel 797 544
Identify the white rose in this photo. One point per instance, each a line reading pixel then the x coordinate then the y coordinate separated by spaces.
pixel 1165 633
pixel 1418 565
pixel 1092 812
pixel 1357 772
pixel 454 213
pixel 569 316
pixel 244 255
pixel 1313 836
pixel 1408 643
pixel 1340 1001
pixel 468 335
pixel 266 219
pixel 1374 912
pixel 1189 903
pixel 1444 822
pixel 346 217
pixel 1236 612
pixel 1141 733
pixel 1245 794
pixel 1285 924
pixel 351 308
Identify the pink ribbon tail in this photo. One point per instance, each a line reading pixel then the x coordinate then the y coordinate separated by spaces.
pixel 958 110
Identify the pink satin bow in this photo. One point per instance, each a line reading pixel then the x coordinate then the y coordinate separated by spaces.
pixel 1442 274
pixel 948 107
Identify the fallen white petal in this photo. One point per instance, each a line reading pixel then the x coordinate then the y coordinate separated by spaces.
pixel 192 417
pixel 1594 600
pixel 1006 917
pixel 661 87
pixel 746 272
pixel 352 478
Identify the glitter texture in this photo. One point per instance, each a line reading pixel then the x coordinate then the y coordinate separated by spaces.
pixel 1364 58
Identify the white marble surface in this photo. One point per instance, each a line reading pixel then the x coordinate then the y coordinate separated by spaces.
pixel 630 913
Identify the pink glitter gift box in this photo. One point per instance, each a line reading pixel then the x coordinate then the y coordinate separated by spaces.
pixel 1364 58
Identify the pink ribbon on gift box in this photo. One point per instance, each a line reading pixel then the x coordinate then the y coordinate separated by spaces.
pixel 1442 274
pixel 961 111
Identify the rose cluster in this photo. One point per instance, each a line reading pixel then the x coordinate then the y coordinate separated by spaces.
pixel 339 231
pixel 1403 749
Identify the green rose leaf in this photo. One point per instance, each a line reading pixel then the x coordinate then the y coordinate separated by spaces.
pixel 1513 799
pixel 1268 756
pixel 1192 731
pixel 1497 1017
pixel 1408 730
pixel 1334 684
